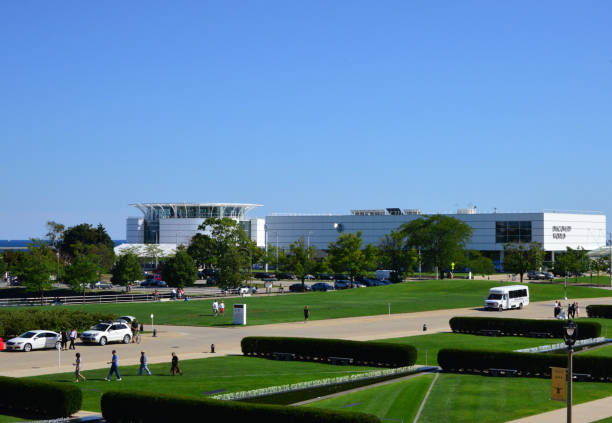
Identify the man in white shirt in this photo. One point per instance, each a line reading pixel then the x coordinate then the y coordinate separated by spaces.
pixel 215 307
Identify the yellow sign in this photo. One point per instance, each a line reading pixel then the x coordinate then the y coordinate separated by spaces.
pixel 558 383
pixel 453 266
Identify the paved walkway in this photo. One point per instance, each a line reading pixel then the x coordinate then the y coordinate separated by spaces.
pixel 582 413
pixel 194 342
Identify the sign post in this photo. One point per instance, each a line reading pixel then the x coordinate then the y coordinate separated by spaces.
pixel 558 383
pixel 152 326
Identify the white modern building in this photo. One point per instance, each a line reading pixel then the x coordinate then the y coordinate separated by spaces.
pixel 554 230
pixel 177 223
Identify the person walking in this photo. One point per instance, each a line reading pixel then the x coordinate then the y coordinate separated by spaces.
pixel 143 364
pixel 114 367
pixel 557 306
pixel 77 369
pixel 306 314
pixel 175 367
pixel 72 336
pixel 215 307
pixel 576 309
pixel 64 340
pixel 222 308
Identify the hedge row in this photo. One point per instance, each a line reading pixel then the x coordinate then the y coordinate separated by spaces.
pixel 16 322
pixel 142 407
pixel 382 354
pixel 521 327
pixel 604 311
pixel 30 399
pixel 528 364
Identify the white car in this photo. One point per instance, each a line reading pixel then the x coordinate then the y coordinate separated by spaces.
pixel 34 340
pixel 102 285
pixel 126 319
pixel 102 333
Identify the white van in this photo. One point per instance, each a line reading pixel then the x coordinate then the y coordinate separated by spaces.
pixel 507 297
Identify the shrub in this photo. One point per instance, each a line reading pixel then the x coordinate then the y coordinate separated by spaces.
pixel 604 311
pixel 521 327
pixel 35 399
pixel 143 407
pixel 528 364
pixel 315 349
pixel 15 322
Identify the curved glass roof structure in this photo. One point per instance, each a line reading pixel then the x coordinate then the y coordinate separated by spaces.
pixel 156 211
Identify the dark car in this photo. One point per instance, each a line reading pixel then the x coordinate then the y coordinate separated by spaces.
pixel 265 275
pixel 340 277
pixel 322 286
pixel 370 282
pixel 535 275
pixel 342 284
pixel 548 276
pixel 287 276
pixel 154 283
pixel 297 287
pixel 326 277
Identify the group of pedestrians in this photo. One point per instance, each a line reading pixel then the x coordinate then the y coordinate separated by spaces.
pixel 218 308
pixel 114 368
pixel 572 310
pixel 68 336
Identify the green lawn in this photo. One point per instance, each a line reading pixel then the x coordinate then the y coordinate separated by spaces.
pixel 474 398
pixel 10 419
pixel 231 374
pixel 398 401
pixel 403 298
pixel 598 280
pixel 599 352
pixel 433 343
pixel 463 398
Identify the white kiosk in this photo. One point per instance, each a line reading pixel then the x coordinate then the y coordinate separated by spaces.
pixel 240 314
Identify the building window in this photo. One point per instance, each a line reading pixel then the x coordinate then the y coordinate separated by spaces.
pixel 512 231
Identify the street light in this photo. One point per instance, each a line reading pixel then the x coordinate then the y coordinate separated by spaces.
pixel 570 333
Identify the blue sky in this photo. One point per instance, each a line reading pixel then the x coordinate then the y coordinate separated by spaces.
pixel 305 106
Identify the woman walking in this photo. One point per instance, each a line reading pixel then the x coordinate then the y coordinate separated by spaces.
pixel 77 369
pixel 175 367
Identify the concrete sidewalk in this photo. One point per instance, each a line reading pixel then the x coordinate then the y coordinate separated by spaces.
pixel 586 412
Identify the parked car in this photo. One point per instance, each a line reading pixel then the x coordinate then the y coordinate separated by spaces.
pixel 287 276
pixel 247 290
pixel 340 277
pixel 154 283
pixel 533 275
pixel 309 277
pixel 342 284
pixel 102 333
pixel 33 340
pixel 126 319
pixel 297 287
pixel 322 286
pixel 264 275
pixel 371 282
pixel 548 276
pixel 326 277
pixel 102 285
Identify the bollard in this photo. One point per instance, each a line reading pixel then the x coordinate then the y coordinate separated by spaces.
pixel 154 333
pixel 141 328
pixel 212 348
pixel 424 327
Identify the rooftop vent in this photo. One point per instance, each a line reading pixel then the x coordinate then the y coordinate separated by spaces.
pixel 368 212
pixel 393 211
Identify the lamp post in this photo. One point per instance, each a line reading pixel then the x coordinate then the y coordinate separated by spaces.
pixel 266 242
pixel 610 234
pixel 570 333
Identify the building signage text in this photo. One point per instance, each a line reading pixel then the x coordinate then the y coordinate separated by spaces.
pixel 559 232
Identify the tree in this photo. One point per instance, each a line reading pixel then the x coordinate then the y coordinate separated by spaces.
pixel 153 252
pixel 55 232
pixel 346 255
pixel 126 269
pixel 83 270
pixel 231 268
pixel 478 264
pixel 180 270
pixel 273 256
pixel 441 239
pixel 572 262
pixel 203 249
pixel 396 255
pixel 35 269
pixel 3 266
pixel 520 257
pixel 301 259
pixel 85 234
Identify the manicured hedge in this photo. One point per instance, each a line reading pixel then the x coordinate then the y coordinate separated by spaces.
pixel 143 407
pixel 35 399
pixel 314 349
pixel 528 364
pixel 521 327
pixel 604 311
pixel 16 322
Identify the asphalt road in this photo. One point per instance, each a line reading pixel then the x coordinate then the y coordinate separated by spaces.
pixel 194 342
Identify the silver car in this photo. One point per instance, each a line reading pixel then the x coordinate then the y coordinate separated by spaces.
pixel 34 340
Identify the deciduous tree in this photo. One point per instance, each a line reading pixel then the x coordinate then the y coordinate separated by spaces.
pixel 301 259
pixel 520 257
pixel 180 270
pixel 37 266
pixel 83 270
pixel 126 269
pixel 346 255
pixel 396 255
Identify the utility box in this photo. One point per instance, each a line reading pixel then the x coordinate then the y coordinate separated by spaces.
pixel 240 314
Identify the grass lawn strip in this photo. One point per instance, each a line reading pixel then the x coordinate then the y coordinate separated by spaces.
pixel 231 374
pixel 281 389
pixel 396 401
pixel 470 398
pixel 404 298
pixel 599 352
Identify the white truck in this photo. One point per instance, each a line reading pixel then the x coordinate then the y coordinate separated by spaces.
pixel 507 297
